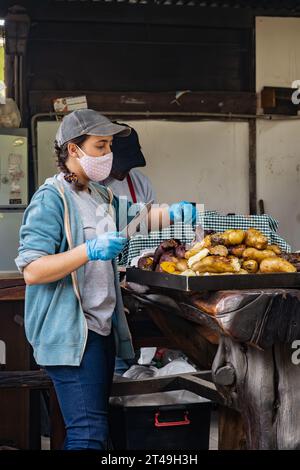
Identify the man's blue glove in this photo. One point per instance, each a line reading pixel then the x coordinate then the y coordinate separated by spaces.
pixel 105 247
pixel 183 211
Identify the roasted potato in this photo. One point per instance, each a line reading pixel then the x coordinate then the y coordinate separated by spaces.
pixel 217 264
pixel 276 265
pixel 250 265
pixel 219 250
pixel 275 248
pixel 254 238
pixel 229 237
pixel 237 250
pixel 257 255
pixel 182 265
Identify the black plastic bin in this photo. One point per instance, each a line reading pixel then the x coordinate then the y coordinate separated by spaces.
pixel 168 420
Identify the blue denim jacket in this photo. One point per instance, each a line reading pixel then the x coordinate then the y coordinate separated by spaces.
pixel 55 324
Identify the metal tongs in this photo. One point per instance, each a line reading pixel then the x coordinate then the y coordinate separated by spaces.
pixel 134 224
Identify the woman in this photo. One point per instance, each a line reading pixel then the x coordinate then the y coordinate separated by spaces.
pixel 74 316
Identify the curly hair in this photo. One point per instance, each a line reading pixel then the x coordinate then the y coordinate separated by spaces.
pixel 62 155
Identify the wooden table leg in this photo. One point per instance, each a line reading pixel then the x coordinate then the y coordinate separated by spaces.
pixel 266 391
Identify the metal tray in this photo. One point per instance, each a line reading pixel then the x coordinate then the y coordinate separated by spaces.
pixel 213 283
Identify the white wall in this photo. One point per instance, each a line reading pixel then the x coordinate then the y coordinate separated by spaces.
pixel 204 162
pixel 277 51
pixel 278 143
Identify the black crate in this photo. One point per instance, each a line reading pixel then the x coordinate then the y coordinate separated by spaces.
pixel 161 421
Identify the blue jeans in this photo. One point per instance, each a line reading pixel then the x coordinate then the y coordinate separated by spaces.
pixel 83 394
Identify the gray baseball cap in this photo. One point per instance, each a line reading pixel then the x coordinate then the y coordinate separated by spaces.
pixel 90 122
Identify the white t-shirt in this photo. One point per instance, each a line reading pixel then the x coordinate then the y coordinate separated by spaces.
pixel 99 293
pixel 142 186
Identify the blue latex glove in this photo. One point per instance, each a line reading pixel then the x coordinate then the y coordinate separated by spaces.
pixel 105 247
pixel 183 211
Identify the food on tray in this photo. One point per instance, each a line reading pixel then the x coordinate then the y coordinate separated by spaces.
pixel 198 257
pixel 237 250
pixel 258 255
pixel 182 265
pixel 250 265
pixel 276 265
pixel 217 264
pixel 256 239
pixel 293 258
pixel 275 248
pixel 219 250
pixel 227 238
pixel 230 252
pixel 146 263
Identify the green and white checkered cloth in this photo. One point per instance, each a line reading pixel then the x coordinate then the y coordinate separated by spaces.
pixel 209 220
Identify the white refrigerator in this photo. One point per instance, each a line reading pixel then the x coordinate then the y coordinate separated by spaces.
pixel 13 192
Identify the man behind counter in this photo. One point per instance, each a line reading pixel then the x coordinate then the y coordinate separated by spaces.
pixel 125 179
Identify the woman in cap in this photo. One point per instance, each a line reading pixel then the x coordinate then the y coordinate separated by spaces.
pixel 74 316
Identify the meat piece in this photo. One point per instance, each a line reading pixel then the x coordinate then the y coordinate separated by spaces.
pixel 217 264
pixel 276 265
pixel 254 238
pixel 258 255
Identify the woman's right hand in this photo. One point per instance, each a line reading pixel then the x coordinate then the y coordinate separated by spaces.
pixel 105 247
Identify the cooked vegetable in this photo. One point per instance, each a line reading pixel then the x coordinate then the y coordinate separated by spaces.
pixel 237 250
pixel 276 265
pixel 194 259
pixel 219 250
pixel 188 272
pixel 180 251
pixel 194 250
pixel 168 267
pixel 229 237
pixel 146 263
pixel 250 265
pixel 293 258
pixel 257 255
pixel 217 264
pixel 167 245
pixel 182 265
pixel 254 238
pixel 274 248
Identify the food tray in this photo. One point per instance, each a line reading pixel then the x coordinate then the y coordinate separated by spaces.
pixel 215 282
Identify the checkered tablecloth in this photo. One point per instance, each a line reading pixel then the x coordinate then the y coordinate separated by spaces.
pixel 209 220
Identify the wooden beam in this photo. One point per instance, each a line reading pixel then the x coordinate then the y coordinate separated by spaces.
pixel 200 387
pixel 252 167
pixel 162 103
